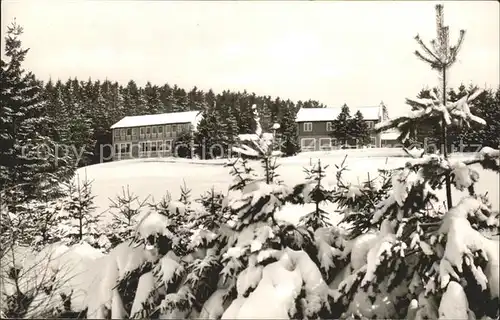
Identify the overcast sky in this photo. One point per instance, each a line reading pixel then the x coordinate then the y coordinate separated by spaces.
pixel 354 52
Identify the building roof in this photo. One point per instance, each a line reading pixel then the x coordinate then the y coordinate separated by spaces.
pixel 192 117
pixel 328 114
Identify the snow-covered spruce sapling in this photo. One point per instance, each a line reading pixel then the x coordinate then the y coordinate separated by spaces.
pixel 81 221
pixel 49 219
pixel 125 208
pixel 27 274
pixel 209 237
pixel 259 264
pixel 353 201
pixel 147 270
pixel 334 244
pixel 42 220
pixel 241 172
pixel 201 260
pixel 261 146
pixel 317 193
pixel 131 280
pixel 214 214
pixel 15 229
pixel 322 241
pixel 178 213
pixel 164 288
pixel 17 222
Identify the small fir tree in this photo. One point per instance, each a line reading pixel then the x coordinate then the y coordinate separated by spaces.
pixel 317 195
pixel 80 211
pixel 126 209
pixel 359 129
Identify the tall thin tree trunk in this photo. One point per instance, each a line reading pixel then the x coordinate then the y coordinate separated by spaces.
pixel 444 142
pixel 268 178
pixel 80 227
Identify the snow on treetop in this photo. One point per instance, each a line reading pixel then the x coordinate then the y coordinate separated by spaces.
pixel 328 114
pixel 153 223
pixel 192 117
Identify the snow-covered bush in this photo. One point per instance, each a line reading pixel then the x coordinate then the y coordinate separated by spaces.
pixel 51 282
pixel 33 223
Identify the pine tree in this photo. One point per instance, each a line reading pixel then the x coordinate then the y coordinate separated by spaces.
pixel 167 98
pixel 141 105
pixel 288 131
pixel 317 195
pixel 210 98
pixel 210 136
pixel 441 57
pixel 195 98
pixel 79 208
pixel 359 129
pixel 231 127
pixel 80 126
pixel 261 147
pixel 128 101
pixel 341 126
pixel 25 145
pixel 263 248
pixel 181 99
pixel 125 208
pixel 118 110
pixel 245 116
pixel 152 96
pixel 311 104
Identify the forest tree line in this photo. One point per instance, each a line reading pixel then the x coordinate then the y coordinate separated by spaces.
pixel 85 110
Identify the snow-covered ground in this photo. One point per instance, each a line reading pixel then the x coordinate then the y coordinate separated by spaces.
pixel 154 177
pixel 82 267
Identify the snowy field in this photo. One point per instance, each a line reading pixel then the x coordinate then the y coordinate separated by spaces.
pixel 154 177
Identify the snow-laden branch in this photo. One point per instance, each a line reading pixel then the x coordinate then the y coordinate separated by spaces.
pixel 429 109
pixel 463 242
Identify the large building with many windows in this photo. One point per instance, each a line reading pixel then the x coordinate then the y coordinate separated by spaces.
pixel 315 126
pixel 151 135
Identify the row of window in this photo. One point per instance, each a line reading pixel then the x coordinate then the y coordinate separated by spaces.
pixel 145 147
pixel 169 129
pixel 309 144
pixel 308 126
